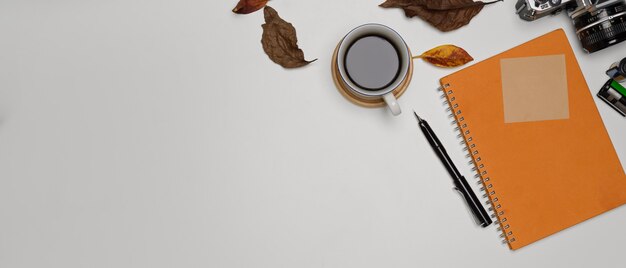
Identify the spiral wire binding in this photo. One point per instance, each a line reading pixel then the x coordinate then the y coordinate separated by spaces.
pixel 481 174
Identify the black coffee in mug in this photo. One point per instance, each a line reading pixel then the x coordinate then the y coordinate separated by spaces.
pixel 372 66
pixel 372 62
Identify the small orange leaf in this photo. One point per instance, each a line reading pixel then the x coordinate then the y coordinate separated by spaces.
pixel 446 56
pixel 249 6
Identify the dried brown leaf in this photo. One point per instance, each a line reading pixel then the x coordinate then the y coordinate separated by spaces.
pixel 280 42
pixel 445 15
pixel 249 6
pixel 446 56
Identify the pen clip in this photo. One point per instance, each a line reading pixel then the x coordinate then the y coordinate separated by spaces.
pixel 468 206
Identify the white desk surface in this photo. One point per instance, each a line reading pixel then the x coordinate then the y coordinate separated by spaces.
pixel 158 134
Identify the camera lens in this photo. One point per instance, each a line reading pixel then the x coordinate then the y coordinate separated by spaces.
pixel 601 28
pixel 622 67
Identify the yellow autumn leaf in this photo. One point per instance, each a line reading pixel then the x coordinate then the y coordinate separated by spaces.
pixel 446 56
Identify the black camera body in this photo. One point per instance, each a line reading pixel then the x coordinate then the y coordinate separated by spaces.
pixel 599 23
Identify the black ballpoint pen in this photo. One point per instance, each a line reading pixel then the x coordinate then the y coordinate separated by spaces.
pixel 460 183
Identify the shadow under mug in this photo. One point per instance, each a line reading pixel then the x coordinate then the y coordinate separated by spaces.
pixel 373 98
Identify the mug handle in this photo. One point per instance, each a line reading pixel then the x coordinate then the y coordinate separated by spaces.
pixel 392 103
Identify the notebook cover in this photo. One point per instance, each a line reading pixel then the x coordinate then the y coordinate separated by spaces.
pixel 543 176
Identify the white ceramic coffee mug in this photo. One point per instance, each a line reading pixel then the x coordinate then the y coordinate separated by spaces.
pixel 404 58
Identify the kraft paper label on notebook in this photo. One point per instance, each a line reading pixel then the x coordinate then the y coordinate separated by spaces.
pixel 534 88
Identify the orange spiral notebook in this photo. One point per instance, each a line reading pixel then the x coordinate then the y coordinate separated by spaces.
pixel 536 139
